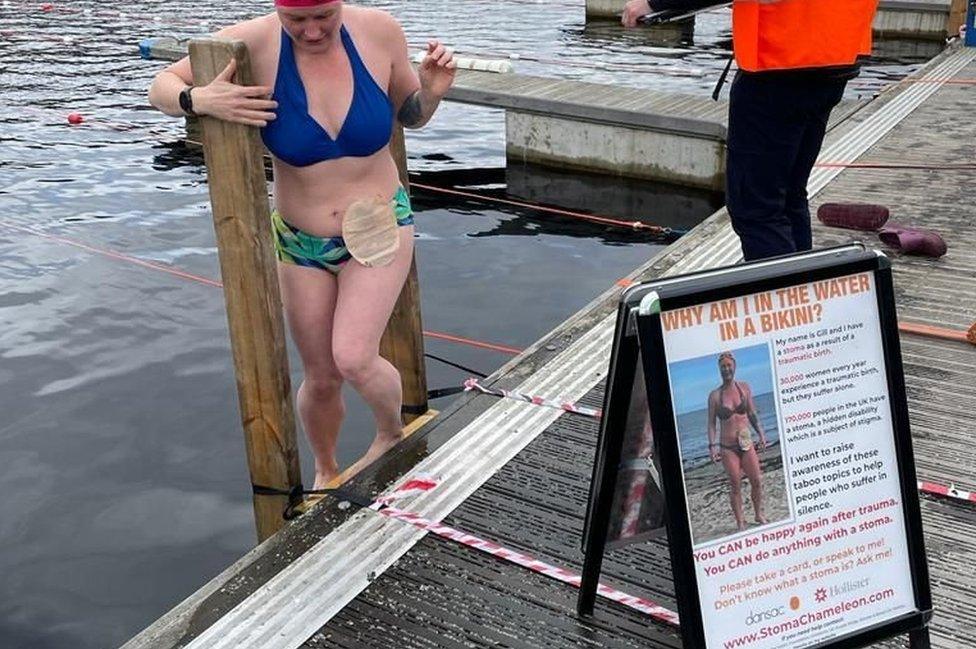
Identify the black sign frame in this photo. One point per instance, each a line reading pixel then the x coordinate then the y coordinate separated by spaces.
pixel 606 468
pixel 644 304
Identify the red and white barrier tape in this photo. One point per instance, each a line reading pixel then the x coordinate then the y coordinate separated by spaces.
pixel 473 384
pixel 561 574
pixel 424 483
pixel 416 485
pixel 949 491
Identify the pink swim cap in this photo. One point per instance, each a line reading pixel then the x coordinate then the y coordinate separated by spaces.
pixel 302 3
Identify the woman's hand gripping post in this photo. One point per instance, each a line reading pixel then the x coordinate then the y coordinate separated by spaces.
pixel 223 99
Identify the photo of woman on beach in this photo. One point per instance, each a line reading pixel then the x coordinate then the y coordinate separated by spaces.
pixel 731 406
pixel 727 426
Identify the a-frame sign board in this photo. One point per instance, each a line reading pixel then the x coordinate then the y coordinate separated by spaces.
pixel 766 405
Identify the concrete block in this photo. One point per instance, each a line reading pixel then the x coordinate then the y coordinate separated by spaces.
pixel 615 149
pixel 911 23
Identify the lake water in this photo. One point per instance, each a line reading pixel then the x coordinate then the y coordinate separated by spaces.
pixel 121 457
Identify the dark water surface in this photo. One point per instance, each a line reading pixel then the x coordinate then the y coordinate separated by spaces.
pixel 121 458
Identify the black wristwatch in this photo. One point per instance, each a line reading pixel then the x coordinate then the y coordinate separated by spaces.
pixel 186 101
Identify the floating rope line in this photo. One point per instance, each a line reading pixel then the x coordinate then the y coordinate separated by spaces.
pixel 112 254
pixel 603 220
pixel 116 255
pixel 473 384
pixel 79 120
pixel 439 335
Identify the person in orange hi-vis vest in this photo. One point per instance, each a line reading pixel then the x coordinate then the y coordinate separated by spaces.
pixel 795 58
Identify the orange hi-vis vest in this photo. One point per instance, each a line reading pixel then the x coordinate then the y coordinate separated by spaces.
pixel 791 34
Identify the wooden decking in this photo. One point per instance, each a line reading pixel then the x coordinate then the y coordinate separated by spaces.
pixel 517 474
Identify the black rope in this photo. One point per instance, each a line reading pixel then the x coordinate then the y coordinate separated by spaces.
pixel 456 365
pixel 721 79
pixel 407 409
pixel 295 496
pixel 445 392
pixel 343 494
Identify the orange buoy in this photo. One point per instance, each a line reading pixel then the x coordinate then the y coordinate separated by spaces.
pixel 75 118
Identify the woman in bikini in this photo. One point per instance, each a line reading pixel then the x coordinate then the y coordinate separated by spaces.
pixel 732 445
pixel 329 81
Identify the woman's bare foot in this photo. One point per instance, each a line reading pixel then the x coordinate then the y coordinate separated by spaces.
pixel 324 474
pixel 381 444
pixel 322 479
pixel 761 519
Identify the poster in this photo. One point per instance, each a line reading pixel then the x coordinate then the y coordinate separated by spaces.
pixel 788 462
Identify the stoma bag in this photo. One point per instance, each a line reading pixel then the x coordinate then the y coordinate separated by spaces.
pixel 369 230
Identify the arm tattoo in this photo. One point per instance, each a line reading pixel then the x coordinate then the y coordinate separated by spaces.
pixel 411 113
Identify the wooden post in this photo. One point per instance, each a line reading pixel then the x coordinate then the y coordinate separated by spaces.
pixel 957 17
pixel 403 341
pixel 239 196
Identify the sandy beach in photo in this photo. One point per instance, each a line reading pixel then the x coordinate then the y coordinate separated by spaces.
pixel 707 487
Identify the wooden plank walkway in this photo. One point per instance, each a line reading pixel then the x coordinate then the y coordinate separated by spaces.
pixel 517 475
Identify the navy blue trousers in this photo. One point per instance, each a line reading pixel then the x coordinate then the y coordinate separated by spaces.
pixel 776 128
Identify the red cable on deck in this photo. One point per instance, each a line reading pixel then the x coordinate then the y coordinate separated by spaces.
pixel 932 331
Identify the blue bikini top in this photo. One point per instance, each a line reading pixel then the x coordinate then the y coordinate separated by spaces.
pixel 297 138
